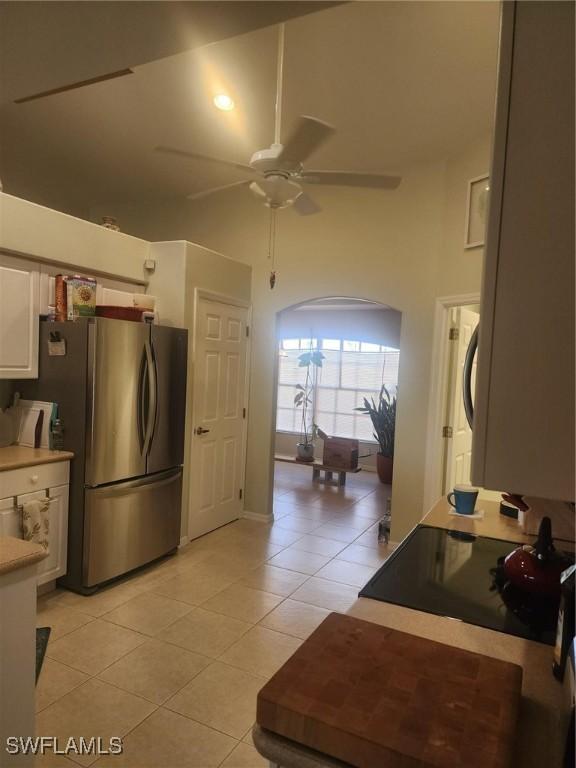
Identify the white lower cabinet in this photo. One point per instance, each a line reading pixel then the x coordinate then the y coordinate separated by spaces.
pixel 11 519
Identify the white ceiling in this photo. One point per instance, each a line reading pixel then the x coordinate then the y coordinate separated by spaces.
pixel 46 45
pixel 403 82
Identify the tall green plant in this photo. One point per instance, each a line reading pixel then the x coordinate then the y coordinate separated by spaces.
pixel 383 416
pixel 311 360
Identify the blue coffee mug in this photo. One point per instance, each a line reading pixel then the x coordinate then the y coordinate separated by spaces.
pixel 463 499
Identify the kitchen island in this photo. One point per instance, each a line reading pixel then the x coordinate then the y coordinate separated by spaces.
pixel 545 701
pixel 18 563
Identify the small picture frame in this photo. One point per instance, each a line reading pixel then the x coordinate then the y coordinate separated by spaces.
pixel 476 211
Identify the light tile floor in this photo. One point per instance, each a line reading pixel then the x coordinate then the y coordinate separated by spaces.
pixel 171 658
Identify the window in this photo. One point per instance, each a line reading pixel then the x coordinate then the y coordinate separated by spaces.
pixel 289 418
pixel 351 371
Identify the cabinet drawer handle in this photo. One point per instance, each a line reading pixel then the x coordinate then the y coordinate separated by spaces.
pixel 34 478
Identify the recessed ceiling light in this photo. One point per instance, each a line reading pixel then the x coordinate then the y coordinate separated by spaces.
pixel 224 102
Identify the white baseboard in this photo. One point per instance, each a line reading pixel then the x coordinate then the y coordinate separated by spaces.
pixel 257 517
pixel 48 586
pixel 183 541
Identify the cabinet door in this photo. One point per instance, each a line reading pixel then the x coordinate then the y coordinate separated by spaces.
pixel 523 439
pixel 22 499
pixel 10 519
pixel 19 307
pixel 54 565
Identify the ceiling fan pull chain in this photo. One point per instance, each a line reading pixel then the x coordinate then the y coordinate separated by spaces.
pixel 270 234
pixel 272 247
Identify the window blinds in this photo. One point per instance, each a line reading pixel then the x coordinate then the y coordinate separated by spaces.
pixel 351 371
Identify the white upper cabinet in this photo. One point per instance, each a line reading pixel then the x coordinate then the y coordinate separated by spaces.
pixel 19 310
pixel 523 439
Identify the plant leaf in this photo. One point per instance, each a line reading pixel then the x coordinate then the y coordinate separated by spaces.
pixel 383 417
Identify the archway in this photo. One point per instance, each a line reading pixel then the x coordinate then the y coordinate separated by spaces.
pixel 334 503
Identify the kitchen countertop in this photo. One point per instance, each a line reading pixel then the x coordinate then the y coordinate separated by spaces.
pixel 17 553
pixel 17 456
pixel 493 525
pixel 544 710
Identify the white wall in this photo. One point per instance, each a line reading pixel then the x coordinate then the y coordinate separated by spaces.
pixel 401 248
pixel 460 269
pixel 168 282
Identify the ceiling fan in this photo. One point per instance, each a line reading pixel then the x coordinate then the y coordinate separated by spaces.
pixel 276 175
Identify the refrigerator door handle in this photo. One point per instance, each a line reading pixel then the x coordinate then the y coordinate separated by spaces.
pixel 142 416
pixel 467 378
pixel 152 403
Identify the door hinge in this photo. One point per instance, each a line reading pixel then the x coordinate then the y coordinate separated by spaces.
pixel 240 493
pixel 247 331
pixel 446 431
pixel 243 413
pixel 454 334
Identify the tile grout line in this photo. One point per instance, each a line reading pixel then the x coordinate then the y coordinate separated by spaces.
pixel 235 537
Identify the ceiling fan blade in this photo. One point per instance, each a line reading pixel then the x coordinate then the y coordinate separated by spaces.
pixel 305 205
pixel 213 190
pixel 351 179
pixel 308 134
pixel 205 158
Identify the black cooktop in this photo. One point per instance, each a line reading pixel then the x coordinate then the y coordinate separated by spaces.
pixel 460 576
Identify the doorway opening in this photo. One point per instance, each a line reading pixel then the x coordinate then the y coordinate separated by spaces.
pixel 334 355
pixel 457 433
pixel 449 434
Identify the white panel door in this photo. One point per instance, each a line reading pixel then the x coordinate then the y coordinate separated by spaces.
pixel 219 433
pixel 19 309
pixel 459 446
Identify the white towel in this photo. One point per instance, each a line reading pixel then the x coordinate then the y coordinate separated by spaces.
pixel 36 521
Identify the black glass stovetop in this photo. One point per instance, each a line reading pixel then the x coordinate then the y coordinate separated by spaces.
pixel 461 576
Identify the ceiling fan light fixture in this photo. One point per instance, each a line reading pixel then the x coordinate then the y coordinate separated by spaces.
pixel 224 102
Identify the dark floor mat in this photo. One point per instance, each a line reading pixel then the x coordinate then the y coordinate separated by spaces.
pixel 42 637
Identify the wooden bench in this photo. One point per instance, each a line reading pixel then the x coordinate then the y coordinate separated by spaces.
pixel 317 467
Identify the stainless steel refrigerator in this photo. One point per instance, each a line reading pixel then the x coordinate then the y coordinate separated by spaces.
pixel 121 392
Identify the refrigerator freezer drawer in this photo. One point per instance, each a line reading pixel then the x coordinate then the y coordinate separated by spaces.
pixel 129 524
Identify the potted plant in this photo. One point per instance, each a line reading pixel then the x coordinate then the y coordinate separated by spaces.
pixel 311 360
pixel 383 416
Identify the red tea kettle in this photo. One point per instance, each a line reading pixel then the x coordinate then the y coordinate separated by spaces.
pixel 536 568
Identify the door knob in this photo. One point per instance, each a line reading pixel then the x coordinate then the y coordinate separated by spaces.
pixel 201 431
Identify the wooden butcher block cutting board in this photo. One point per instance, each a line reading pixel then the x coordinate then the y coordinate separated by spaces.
pixel 378 698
